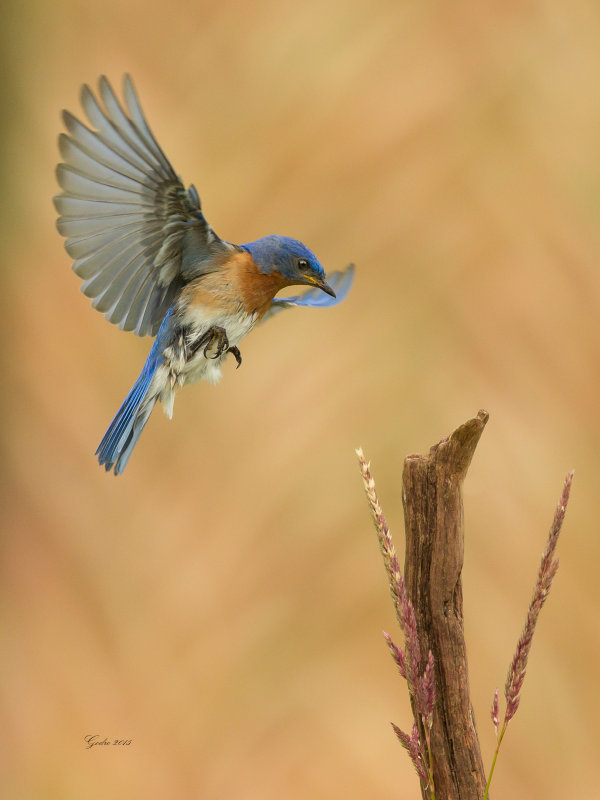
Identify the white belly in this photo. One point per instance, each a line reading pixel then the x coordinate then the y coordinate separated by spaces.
pixel 209 369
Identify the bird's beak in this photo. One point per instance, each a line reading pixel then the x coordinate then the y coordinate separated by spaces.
pixel 321 284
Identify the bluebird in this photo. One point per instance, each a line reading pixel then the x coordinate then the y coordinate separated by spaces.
pixel 153 265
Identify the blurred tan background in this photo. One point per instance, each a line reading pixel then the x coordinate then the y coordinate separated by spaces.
pixel 221 603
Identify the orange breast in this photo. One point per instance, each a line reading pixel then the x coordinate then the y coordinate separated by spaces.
pixel 256 288
pixel 238 285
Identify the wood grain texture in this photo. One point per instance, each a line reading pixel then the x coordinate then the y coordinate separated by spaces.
pixel 433 512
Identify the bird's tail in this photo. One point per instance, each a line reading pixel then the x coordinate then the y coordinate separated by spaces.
pixel 123 432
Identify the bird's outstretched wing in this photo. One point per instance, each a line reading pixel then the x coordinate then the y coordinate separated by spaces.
pixel 135 233
pixel 340 282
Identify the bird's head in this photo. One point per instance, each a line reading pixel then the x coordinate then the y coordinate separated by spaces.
pixel 293 260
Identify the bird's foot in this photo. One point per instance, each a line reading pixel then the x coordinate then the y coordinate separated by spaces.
pixel 214 342
pixel 217 343
pixel 235 351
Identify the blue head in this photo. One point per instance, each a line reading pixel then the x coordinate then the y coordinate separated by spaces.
pixel 293 260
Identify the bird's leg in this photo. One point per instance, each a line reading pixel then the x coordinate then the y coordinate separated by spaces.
pixel 193 345
pixel 215 343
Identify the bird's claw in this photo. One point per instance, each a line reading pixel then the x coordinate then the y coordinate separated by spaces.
pixel 219 344
pixel 216 341
pixel 235 351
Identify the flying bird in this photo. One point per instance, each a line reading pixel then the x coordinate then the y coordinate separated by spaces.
pixel 153 265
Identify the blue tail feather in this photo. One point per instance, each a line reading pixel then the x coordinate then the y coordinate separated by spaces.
pixel 123 432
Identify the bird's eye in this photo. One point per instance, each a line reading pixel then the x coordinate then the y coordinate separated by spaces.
pixel 303 265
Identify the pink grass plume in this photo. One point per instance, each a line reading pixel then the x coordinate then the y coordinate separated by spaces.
pixel 518 666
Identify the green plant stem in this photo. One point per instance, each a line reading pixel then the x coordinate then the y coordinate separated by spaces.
pixel 489 780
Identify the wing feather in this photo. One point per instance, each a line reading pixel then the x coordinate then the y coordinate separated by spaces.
pixel 95 145
pixel 135 233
